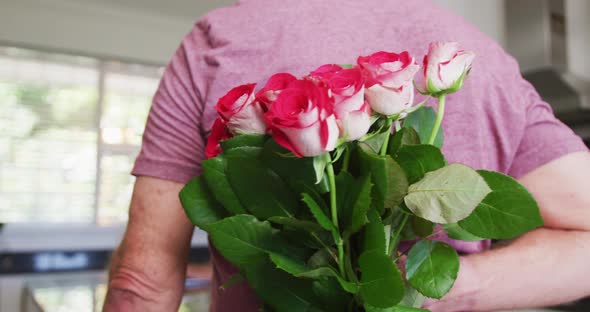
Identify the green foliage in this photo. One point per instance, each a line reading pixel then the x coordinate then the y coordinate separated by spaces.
pixel 381 282
pixel 215 175
pixel 318 213
pixel 455 231
pixel 422 227
pixel 298 173
pixel 389 180
pixel 262 192
pixel 243 240
pixel 305 247
pixel 354 200
pixel 374 238
pixel 447 195
pixel 405 136
pixel 507 212
pixel 280 290
pixel 304 225
pixel 417 160
pixel 422 120
pixel 251 140
pixel 199 205
pixel 432 267
pixel 299 269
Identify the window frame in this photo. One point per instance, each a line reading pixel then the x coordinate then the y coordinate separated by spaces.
pixel 72 236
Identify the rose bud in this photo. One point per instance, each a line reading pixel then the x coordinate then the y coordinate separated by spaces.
pixel 389 76
pixel 219 132
pixel 354 114
pixel 445 67
pixel 323 73
pixel 241 113
pixel 302 119
pixel 275 84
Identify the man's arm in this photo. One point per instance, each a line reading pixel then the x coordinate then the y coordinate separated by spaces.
pixel 544 267
pixel 148 269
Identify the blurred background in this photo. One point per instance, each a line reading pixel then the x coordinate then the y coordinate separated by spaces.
pixel 76 81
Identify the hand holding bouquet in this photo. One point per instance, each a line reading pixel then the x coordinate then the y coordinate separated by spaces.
pixel 311 184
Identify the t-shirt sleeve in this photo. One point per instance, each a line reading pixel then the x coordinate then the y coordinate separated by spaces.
pixel 545 138
pixel 173 144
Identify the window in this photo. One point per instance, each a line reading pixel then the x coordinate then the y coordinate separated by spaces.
pixel 70 129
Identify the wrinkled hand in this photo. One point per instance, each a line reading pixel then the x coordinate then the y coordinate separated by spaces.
pixel 148 269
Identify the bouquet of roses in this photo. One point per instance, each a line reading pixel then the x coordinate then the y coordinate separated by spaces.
pixel 310 185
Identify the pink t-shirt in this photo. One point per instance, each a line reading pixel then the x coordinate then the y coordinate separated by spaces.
pixel 496 122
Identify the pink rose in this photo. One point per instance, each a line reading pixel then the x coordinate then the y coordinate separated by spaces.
pixel 219 133
pixel 354 114
pixel 388 69
pixel 276 83
pixel 240 112
pixel 389 81
pixel 302 119
pixel 445 67
pixel 388 101
pixel 323 73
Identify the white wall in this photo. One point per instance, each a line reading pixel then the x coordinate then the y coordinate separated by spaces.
pixel 578 37
pixel 150 30
pixel 487 15
pixel 100 28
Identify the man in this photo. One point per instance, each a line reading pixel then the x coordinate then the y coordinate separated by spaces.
pixel 496 122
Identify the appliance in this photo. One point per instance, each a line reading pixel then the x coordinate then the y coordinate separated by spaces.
pixel 551 41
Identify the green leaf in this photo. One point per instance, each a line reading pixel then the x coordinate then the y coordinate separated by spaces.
pixel 507 212
pixel 260 190
pixel 455 231
pixel 242 239
pixel 422 120
pixel 376 136
pixel 297 224
pixel 374 236
pixel 199 204
pixel 298 269
pixel 215 175
pixel 432 268
pixel 354 200
pixel 447 195
pixel 412 297
pixel 345 184
pixel 244 152
pixel 319 166
pixel 252 140
pixel 381 282
pixel 331 295
pixel 417 160
pixel 405 136
pixel 318 213
pixel 296 172
pixel 422 227
pixel 360 203
pixel 280 290
pixel 389 180
pixel 321 258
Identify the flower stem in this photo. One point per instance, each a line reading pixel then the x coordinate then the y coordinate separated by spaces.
pixel 346 160
pixel 393 241
pixel 334 210
pixel 439 116
pixel 386 141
